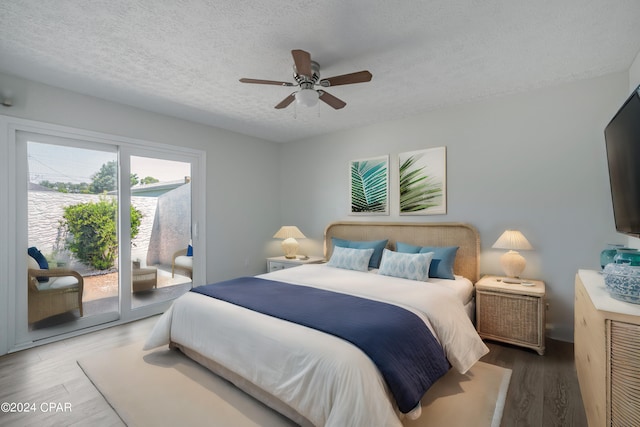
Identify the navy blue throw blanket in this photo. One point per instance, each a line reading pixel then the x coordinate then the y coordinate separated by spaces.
pixel 396 340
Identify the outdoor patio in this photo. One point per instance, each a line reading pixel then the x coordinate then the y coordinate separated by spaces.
pixel 163 215
pixel 106 285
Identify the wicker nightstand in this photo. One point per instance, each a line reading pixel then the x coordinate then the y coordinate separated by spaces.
pixel 511 313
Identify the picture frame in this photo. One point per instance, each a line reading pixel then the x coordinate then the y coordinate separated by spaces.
pixel 369 186
pixel 422 182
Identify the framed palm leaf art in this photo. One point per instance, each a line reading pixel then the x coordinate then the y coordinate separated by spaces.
pixel 423 186
pixel 369 186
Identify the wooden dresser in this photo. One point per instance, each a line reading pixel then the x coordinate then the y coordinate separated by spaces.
pixel 607 352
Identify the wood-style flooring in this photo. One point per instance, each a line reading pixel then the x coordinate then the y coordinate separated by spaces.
pixel 543 391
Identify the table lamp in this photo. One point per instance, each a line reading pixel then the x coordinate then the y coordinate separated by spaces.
pixel 512 262
pixel 289 245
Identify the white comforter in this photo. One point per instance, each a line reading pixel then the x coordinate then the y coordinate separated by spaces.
pixel 327 380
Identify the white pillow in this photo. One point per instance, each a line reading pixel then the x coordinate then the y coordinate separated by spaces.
pixel 32 263
pixel 406 266
pixel 350 259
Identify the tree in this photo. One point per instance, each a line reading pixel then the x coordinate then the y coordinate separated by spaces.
pixel 66 187
pixel 91 231
pixel 105 179
pixel 149 180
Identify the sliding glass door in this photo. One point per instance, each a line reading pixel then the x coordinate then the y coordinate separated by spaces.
pixel 106 230
pixel 162 246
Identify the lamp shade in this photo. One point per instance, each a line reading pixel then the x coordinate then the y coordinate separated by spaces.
pixel 307 97
pixel 289 245
pixel 287 231
pixel 512 262
pixel 513 240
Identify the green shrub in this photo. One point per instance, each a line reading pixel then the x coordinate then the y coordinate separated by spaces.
pixel 91 231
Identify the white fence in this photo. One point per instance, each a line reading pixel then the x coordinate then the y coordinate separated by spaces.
pixel 45 213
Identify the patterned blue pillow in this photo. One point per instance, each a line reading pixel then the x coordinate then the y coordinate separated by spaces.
pixel 350 259
pixel 442 262
pixel 406 266
pixel 376 245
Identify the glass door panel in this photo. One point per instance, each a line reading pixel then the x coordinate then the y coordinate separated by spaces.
pixel 161 249
pixel 72 239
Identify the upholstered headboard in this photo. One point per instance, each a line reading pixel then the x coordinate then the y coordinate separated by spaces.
pixel 464 236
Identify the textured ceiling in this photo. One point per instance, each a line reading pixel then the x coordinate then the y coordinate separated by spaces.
pixel 184 57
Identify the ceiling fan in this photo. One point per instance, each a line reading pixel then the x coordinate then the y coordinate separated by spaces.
pixel 307 75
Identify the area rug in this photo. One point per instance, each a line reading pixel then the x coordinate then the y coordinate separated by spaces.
pixel 165 388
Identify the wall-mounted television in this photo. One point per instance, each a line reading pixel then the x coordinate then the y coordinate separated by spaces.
pixel 622 137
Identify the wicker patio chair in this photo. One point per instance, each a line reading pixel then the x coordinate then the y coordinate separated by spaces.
pixel 183 262
pixel 61 292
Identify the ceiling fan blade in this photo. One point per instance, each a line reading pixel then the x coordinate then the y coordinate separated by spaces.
pixel 346 79
pixel 266 82
pixel 285 102
pixel 331 100
pixel 302 59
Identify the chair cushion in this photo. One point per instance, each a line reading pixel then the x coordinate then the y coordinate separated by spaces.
pixel 184 261
pixel 63 282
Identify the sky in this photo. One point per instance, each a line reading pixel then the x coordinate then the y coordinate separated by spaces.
pixel 56 163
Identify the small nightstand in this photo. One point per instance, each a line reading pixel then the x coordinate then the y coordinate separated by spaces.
pixel 511 313
pixel 280 262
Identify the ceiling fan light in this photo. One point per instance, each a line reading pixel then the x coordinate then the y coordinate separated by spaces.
pixel 307 97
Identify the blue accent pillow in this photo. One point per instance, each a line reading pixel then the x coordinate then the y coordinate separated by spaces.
pixel 41 260
pixel 376 245
pixel 406 266
pixel 189 250
pixel 442 262
pixel 350 259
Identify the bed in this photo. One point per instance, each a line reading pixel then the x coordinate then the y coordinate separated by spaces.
pixel 315 378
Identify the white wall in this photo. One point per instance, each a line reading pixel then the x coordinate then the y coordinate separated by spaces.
pixel 634 73
pixel 241 170
pixel 533 161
